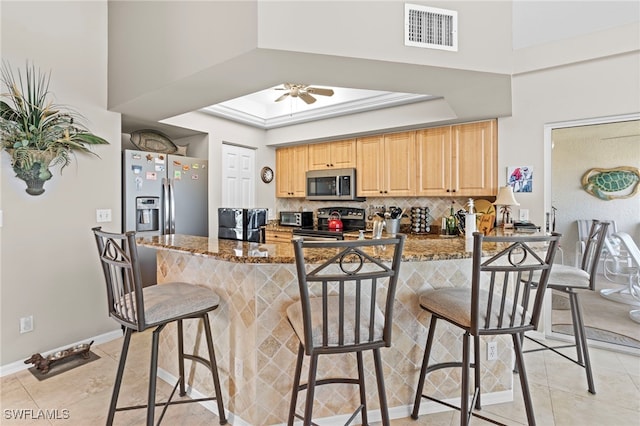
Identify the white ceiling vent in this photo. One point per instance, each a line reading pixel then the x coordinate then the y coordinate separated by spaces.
pixel 430 27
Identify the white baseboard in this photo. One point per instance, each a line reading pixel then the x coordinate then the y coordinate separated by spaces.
pixel 14 367
pixel 426 407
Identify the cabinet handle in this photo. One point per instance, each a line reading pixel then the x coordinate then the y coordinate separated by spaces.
pixel 331 164
pixel 328 165
pixel 448 190
pixel 453 190
pixel 382 192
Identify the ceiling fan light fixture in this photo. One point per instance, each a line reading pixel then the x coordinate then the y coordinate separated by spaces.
pixel 303 92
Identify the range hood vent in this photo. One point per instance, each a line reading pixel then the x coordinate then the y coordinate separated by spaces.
pixel 430 28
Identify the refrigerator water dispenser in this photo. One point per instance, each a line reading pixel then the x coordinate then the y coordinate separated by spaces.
pixel 147 214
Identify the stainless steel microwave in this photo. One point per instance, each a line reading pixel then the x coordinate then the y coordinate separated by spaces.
pixel 334 184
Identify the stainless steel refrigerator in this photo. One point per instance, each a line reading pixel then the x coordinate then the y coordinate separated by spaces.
pixel 163 194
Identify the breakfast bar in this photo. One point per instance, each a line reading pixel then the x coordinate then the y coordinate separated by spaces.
pixel 256 347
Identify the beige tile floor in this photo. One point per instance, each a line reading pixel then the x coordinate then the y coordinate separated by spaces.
pixel 558 390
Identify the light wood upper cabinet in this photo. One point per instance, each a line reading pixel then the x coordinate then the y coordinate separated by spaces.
pixel 386 165
pixel 291 168
pixel 477 158
pixel 458 160
pixel 332 155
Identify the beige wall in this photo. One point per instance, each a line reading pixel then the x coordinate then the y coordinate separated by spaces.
pixel 49 266
pixel 598 88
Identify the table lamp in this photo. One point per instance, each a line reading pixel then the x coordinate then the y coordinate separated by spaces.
pixel 506 199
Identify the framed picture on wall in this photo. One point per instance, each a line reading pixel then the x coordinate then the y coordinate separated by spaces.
pixel 520 178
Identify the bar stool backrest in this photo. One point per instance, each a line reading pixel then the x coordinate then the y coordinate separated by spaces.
pixel 593 249
pixel 119 257
pixel 502 285
pixel 347 300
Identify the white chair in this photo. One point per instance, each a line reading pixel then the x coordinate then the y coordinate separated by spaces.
pixel 619 264
pixel 633 271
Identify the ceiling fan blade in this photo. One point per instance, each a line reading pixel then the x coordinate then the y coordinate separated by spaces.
pixel 282 97
pixel 320 91
pixel 306 97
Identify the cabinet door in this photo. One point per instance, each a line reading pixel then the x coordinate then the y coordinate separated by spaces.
pixel 299 169
pixel 337 155
pixel 433 156
pixel 476 152
pixel 400 164
pixel 343 154
pixel 369 166
pixel 319 156
pixel 283 172
pixel 291 167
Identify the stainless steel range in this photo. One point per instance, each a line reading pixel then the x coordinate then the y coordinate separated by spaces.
pixel 353 219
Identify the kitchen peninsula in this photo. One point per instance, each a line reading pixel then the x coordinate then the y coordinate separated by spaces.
pixel 256 347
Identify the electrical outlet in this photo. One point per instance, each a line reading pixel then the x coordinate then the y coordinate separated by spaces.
pixel 524 215
pixel 26 324
pixel 492 351
pixel 103 215
pixel 238 367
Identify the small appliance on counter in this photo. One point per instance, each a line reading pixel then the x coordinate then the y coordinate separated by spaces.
pixel 242 224
pixel 352 219
pixel 297 219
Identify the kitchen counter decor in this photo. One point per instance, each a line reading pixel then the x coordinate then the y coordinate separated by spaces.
pixel 37 133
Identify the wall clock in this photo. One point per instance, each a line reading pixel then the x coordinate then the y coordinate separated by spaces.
pixel 266 174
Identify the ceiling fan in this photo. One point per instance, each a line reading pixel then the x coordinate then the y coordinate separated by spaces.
pixel 303 92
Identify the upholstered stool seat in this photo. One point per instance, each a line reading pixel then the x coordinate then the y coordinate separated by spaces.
pixel 169 301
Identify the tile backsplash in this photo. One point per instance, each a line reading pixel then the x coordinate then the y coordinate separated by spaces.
pixel 438 206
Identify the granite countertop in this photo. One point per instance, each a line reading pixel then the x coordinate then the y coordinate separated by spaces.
pixel 417 248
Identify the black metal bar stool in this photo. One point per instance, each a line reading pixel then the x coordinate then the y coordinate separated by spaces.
pixel 346 306
pixel 137 309
pixel 499 302
pixel 570 280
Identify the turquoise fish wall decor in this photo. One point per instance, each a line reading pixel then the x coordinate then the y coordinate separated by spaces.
pixel 608 184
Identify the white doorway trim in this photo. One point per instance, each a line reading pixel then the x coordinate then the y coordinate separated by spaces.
pixel 548 148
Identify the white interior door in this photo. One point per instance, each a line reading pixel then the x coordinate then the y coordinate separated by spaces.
pixel 238 176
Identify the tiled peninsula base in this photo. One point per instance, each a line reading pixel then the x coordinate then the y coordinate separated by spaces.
pixel 256 348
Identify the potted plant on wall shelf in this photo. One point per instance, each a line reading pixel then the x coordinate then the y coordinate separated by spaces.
pixel 36 133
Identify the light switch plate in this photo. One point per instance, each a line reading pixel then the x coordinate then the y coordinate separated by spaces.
pixel 103 215
pixel 524 215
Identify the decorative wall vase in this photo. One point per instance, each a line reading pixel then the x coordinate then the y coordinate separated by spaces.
pixel 34 131
pixel 608 184
pixel 35 174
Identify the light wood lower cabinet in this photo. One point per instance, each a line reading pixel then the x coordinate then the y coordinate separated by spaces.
pixel 277 236
pixel 386 165
pixel 291 168
pixel 458 160
pixel 332 155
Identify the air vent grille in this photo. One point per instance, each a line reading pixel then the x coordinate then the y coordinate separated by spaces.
pixel 430 27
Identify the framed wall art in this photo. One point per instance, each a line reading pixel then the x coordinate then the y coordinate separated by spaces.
pixel 520 178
